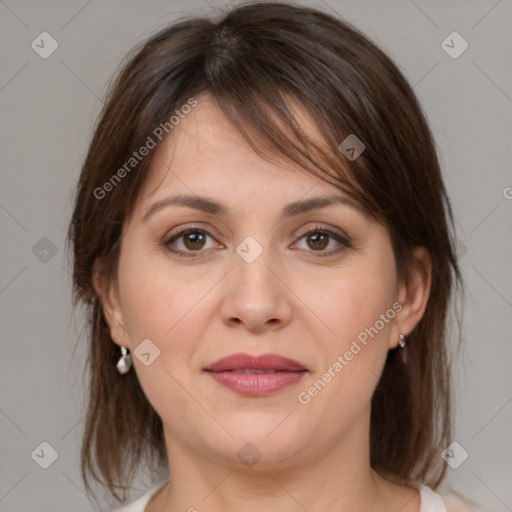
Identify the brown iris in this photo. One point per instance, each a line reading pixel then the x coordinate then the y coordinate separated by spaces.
pixel 194 240
pixel 320 240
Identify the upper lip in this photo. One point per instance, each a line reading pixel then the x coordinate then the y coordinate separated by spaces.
pixel 262 362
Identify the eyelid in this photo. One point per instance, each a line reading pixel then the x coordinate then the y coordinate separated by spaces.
pixel 343 240
pixel 340 237
pixel 182 230
pixel 319 227
pixel 209 230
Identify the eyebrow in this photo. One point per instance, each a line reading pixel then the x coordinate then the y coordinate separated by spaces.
pixel 209 205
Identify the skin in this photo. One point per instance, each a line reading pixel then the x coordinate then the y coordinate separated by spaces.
pixel 289 301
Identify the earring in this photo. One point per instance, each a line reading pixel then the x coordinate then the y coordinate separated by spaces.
pixel 125 361
pixel 403 349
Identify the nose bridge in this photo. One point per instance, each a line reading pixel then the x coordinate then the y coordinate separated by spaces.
pixel 255 297
pixel 254 281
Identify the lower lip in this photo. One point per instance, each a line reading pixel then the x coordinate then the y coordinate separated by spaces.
pixel 256 384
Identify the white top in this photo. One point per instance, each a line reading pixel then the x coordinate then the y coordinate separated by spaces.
pixel 431 501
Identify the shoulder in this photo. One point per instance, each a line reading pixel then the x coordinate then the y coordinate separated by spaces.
pixel 432 501
pixel 139 505
pixel 455 503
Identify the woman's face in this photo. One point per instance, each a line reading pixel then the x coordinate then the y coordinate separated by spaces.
pixel 257 274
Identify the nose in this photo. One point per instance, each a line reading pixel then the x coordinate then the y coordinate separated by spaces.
pixel 256 296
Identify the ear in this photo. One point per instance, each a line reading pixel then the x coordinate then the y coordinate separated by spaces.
pixel 413 294
pixel 108 291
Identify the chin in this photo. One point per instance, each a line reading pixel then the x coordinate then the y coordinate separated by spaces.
pixel 262 443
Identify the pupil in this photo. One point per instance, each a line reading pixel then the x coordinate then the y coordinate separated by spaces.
pixel 194 239
pixel 319 240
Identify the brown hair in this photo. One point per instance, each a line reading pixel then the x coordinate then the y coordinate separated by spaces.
pixel 256 62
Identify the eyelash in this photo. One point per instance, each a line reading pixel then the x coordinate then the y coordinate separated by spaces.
pixel 344 243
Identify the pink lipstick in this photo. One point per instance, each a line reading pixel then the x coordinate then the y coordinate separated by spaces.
pixel 256 375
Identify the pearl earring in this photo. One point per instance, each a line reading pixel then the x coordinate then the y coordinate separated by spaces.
pixel 125 361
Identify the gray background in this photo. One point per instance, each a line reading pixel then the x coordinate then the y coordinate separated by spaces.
pixel 48 107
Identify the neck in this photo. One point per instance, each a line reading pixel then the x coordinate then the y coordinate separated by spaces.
pixel 340 478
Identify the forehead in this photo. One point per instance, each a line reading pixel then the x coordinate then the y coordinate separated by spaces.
pixel 205 155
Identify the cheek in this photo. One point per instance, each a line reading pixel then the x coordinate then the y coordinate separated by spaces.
pixel 352 359
pixel 358 311
pixel 165 306
pixel 161 306
pixel 354 302
pixel 155 299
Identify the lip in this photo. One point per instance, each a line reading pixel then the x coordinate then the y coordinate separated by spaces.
pixel 256 375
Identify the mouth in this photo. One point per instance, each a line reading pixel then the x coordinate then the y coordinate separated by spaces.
pixel 256 375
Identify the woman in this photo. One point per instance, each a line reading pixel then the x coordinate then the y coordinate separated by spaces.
pixel 262 236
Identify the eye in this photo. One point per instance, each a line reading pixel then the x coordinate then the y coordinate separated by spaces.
pixel 318 239
pixel 195 240
pixel 188 241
